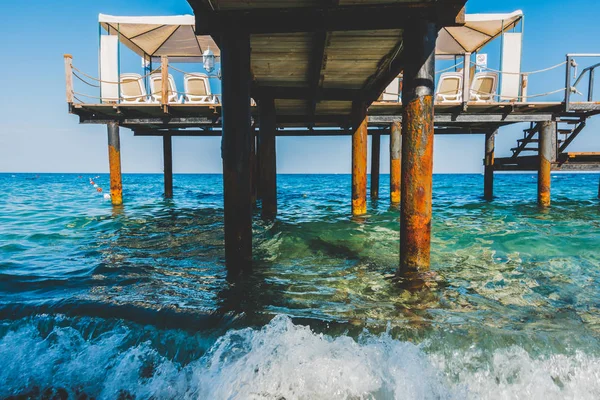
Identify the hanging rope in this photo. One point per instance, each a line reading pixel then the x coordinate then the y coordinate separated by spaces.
pixel 84 81
pixel 523 73
pixel 109 82
pixel 449 68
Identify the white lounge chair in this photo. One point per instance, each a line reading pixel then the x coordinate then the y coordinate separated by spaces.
pixel 133 89
pixel 450 88
pixel 156 89
pixel 484 87
pixel 392 91
pixel 197 89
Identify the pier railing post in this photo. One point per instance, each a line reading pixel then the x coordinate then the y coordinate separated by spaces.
pixel 268 158
pixel 235 147
pixel 164 76
pixel 168 165
pixel 375 164
pixel 114 163
pixel 395 162
pixel 417 147
pixel 546 157
pixel 488 162
pixel 69 77
pixel 359 159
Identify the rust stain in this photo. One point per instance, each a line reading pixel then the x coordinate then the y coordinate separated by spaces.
pixel 395 171
pixel 359 169
pixel 416 185
pixel 544 182
pixel 116 187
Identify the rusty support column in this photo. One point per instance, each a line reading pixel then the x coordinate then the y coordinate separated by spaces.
pixel 488 175
pixel 114 163
pixel 235 148
pixel 546 157
pixel 417 147
pixel 268 158
pixel 375 162
pixel 395 162
pixel 168 166
pixel 359 160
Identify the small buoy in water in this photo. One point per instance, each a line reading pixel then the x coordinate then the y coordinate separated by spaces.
pixel 107 196
pixel 95 185
pixel 99 189
pixel 92 182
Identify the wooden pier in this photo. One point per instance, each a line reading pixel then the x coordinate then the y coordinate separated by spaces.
pixel 291 69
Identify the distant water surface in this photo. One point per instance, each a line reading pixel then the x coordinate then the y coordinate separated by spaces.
pixel 133 302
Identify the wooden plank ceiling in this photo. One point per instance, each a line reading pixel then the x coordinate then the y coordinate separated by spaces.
pixel 317 57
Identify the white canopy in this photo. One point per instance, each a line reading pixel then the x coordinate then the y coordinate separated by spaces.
pixel 479 30
pixel 171 36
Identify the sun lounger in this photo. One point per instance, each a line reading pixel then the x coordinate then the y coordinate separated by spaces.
pixel 484 87
pixel 156 89
pixel 392 92
pixel 197 89
pixel 450 88
pixel 132 89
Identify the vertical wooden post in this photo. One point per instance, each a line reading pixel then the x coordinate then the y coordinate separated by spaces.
pixel 268 158
pixel 359 160
pixel 235 147
pixel 69 77
pixel 164 79
pixel 395 163
pixel 375 162
pixel 168 165
pixel 114 163
pixel 546 157
pixel 488 175
pixel 417 147
pixel 466 89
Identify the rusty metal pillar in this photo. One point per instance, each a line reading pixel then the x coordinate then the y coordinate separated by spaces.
pixel 417 147
pixel 395 162
pixel 168 166
pixel 114 163
pixel 488 162
pixel 375 163
pixel 235 148
pixel 359 160
pixel 546 157
pixel 267 169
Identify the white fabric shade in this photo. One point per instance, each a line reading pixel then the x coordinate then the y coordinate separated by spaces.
pixel 171 36
pixel 479 30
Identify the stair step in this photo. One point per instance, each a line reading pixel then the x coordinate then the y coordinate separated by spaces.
pixel 530 140
pixel 525 149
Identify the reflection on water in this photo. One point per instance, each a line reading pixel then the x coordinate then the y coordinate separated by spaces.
pixel 511 304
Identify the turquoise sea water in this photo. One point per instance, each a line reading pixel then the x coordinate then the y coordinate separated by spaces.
pixel 133 302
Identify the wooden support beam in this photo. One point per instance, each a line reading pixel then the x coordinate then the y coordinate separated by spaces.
pixel 164 76
pixel 316 66
pixel 254 168
pixel 395 162
pixel 168 166
pixel 417 147
pixel 235 147
pixel 375 163
pixel 69 77
pixel 303 93
pixel 114 163
pixel 359 159
pixel 326 18
pixel 268 159
pixel 488 162
pixel 546 157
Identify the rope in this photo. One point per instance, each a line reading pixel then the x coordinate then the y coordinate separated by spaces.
pixel 523 73
pixel 84 81
pixel 111 98
pixel 519 97
pixel 109 82
pixel 449 68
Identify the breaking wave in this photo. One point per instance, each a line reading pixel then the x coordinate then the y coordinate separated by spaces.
pixel 48 356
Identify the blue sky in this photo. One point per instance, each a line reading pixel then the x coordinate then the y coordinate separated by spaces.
pixel 37 134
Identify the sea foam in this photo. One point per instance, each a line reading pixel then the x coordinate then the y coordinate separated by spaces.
pixel 282 360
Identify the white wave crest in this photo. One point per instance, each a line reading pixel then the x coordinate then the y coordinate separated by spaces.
pixel 286 361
